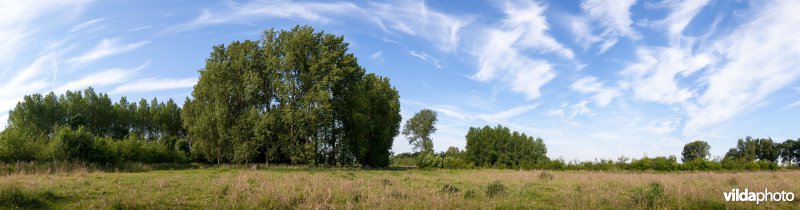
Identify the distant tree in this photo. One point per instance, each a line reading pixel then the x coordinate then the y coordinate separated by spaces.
pixel 419 128
pixel 790 151
pixel 695 150
pixel 751 149
pixel 499 146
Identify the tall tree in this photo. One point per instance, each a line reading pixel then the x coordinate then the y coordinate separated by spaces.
pixel 695 150
pixel 290 98
pixel 419 128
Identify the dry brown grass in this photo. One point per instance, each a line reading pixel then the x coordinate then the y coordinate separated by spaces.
pixel 289 187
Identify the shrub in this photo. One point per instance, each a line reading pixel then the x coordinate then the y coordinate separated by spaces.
pixel 71 144
pixel 15 145
pixel 546 175
pixel 650 196
pixel 449 188
pixel 700 164
pixel 12 197
pixel 469 194
pixel 495 189
pixel 429 160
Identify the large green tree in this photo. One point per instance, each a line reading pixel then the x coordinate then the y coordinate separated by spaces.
pixel 695 150
pixel 294 96
pixel 499 146
pixel 419 128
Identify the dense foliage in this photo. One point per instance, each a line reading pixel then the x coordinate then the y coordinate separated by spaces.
pixel 695 150
pixel 419 128
pixel 293 97
pixel 86 126
pixel 499 146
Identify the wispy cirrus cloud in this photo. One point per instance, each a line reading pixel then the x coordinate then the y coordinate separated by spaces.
pixel 425 57
pixel 409 17
pixel 612 17
pixel 16 17
pixel 85 25
pixel 106 47
pixel 322 12
pixel 758 58
pixel 101 78
pixel 503 53
pixel 417 19
pixel 154 84
pixel 601 94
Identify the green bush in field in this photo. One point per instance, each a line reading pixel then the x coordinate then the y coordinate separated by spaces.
pixel 13 197
pixel 700 165
pixel 16 145
pixel 650 196
pixel 71 144
pixel 495 189
pixel 429 160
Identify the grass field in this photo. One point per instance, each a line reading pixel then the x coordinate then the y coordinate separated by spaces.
pixel 227 187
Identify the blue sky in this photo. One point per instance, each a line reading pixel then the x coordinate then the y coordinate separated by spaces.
pixel 594 79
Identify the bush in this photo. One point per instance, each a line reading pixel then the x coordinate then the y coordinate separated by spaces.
pixel 650 196
pixel 12 197
pixel 449 188
pixel 15 146
pixel 71 144
pixel 495 189
pixel 700 164
pixel 429 160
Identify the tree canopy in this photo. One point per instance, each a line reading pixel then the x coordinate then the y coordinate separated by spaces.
pixel 695 150
pixel 419 128
pixel 294 96
pixel 499 146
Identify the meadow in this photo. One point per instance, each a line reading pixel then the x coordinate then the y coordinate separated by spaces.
pixel 288 187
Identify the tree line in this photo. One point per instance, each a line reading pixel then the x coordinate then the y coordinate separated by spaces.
pixel 87 126
pixel 500 147
pixel 299 97
pixel 293 97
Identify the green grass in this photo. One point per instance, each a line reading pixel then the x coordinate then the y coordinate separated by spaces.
pixel 231 187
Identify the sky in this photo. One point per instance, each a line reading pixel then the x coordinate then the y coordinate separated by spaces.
pixel 594 79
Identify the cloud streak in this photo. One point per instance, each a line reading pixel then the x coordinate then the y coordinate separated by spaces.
pixel 107 47
pixel 154 84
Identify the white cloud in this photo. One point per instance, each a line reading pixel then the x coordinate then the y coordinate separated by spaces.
pixel 106 47
pixel 506 114
pixel 793 105
pixel 425 57
pixel 653 76
pixel 761 57
pixel 415 18
pixel 615 19
pixel 16 18
pixel 313 11
pixel 85 25
pixel 580 28
pixel 683 11
pixel 100 79
pixel 602 94
pixel 503 53
pixel 154 84
pixel 29 80
pixel 410 17
pixel 377 55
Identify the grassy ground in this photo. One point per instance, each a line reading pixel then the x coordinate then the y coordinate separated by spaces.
pixel 289 187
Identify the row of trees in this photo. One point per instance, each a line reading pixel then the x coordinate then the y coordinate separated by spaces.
pixel 502 148
pixel 39 115
pixel 486 147
pixel 86 126
pixel 293 97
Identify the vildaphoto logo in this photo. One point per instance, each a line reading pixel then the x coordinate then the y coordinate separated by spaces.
pixel 758 197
